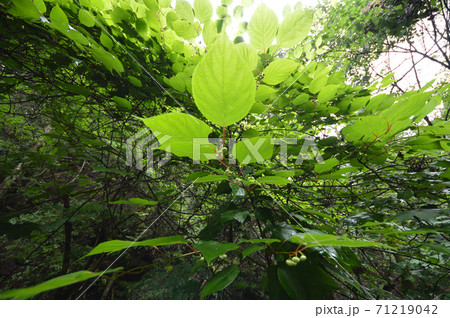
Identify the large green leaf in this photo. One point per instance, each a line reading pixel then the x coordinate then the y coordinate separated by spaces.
pixel 118 245
pixel 209 32
pixel 220 280
pixel 223 88
pixel 59 19
pixel 213 249
pixel 317 84
pixel 264 92
pixel 263 27
pixel 327 93
pixel 25 9
pixel 203 10
pixel 110 61
pixel 248 54
pixel 279 70
pixel 85 18
pixel 184 10
pixel 179 133
pixel 57 282
pixel 253 150
pixel 186 29
pixel 294 28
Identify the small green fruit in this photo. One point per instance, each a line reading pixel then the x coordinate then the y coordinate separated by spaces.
pixel 303 258
pixel 202 259
pixel 223 256
pixel 296 259
pixel 290 262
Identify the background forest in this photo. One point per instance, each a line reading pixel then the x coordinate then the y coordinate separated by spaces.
pixel 346 196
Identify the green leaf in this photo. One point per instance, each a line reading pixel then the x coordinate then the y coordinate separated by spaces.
pixel 327 93
pixel 263 27
pixel 110 61
pixel 238 12
pixel 196 175
pixel 57 282
pixel 178 132
pixel 331 240
pixel 213 249
pixel 203 10
pixel 85 18
pixel 209 32
pixel 223 89
pixel 220 280
pixel 40 5
pixel 80 90
pixel 25 9
pixel 238 191
pixel 135 81
pixel 252 249
pixel 294 28
pixel 253 150
pixel 317 84
pixel 222 11
pixel 274 180
pixel 279 70
pixel 236 215
pixel 122 102
pixel 211 178
pixel 179 81
pixel 248 54
pixel 135 201
pixel 184 10
pixel 58 19
pixel 186 29
pixel 118 245
pixel 106 41
pixel 326 165
pixel 264 92
pixel 165 3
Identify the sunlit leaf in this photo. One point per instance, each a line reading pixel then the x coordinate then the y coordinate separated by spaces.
pixel 223 89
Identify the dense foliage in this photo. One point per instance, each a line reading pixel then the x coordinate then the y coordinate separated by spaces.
pixel 284 181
